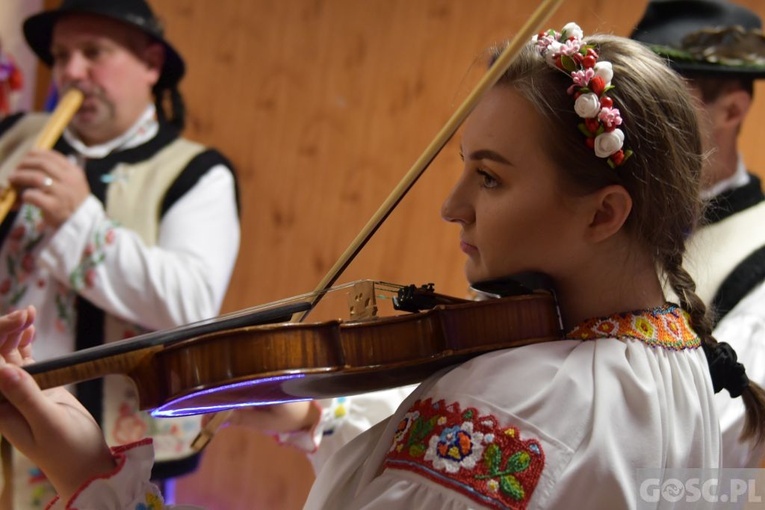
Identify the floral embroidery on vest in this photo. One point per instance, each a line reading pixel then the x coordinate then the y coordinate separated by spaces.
pixel 467 452
pixel 95 253
pixel 666 326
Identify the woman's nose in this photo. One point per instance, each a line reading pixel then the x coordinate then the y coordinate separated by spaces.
pixel 457 207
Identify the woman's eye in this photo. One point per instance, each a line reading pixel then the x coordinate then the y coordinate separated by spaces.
pixel 487 180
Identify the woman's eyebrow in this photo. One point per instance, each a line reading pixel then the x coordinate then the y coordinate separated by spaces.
pixel 488 154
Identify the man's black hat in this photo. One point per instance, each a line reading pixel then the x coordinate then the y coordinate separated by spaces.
pixel 38 30
pixel 713 37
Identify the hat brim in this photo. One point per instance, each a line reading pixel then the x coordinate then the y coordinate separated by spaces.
pixel 717 70
pixel 38 32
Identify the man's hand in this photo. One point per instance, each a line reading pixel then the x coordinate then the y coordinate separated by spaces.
pixel 48 180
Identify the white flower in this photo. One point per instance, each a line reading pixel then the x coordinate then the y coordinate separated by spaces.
pixel 604 70
pixel 553 50
pixel 573 30
pixel 608 143
pixel 453 461
pixel 587 105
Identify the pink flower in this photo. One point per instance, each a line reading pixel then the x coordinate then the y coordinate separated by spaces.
pixel 582 78
pixel 544 41
pixel 18 232
pixel 610 117
pixel 28 263
pixel 90 277
pixel 571 47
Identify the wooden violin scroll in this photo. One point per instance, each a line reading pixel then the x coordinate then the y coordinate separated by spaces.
pixel 65 110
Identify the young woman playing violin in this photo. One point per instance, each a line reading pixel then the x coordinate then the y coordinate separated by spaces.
pixel 582 163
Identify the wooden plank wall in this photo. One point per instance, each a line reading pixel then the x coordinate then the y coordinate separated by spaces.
pixel 323 105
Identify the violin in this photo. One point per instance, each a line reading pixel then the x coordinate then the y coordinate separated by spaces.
pixel 254 357
pixel 223 364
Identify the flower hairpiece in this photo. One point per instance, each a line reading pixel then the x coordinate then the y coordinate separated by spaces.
pixel 567 51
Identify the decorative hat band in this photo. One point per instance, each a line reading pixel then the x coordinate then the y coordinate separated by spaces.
pixel 567 51
pixel 727 46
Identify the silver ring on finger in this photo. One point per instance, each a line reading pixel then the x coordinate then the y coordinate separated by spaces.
pixel 47 182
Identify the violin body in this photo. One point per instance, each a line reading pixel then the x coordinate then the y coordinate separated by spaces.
pixel 275 363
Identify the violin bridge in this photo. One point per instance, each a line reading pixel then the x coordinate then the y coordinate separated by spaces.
pixel 362 302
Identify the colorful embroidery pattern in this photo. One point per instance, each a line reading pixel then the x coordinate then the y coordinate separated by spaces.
pixel 666 327
pixel 84 274
pixel 467 452
pixel 40 491
pixel 153 502
pixel 338 413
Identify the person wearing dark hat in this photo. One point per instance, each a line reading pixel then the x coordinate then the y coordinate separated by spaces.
pixel 125 226
pixel 719 48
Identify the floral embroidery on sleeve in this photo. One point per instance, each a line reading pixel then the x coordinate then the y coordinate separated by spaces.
pixel 84 274
pixel 20 264
pixel 467 452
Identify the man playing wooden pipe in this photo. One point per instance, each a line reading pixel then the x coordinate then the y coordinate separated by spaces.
pixel 125 226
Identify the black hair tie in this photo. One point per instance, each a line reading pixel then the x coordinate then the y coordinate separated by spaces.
pixel 727 373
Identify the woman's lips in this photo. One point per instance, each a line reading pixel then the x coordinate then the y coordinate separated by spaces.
pixel 468 248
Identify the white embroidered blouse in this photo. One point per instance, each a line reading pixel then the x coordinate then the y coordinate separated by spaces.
pixel 582 420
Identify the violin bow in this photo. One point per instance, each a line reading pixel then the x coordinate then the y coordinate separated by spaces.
pixel 531 27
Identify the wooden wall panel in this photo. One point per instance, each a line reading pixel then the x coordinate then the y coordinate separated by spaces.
pixel 323 105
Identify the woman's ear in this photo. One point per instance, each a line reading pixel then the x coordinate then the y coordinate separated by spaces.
pixel 610 207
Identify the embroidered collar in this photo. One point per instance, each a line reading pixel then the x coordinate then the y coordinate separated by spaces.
pixel 666 326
